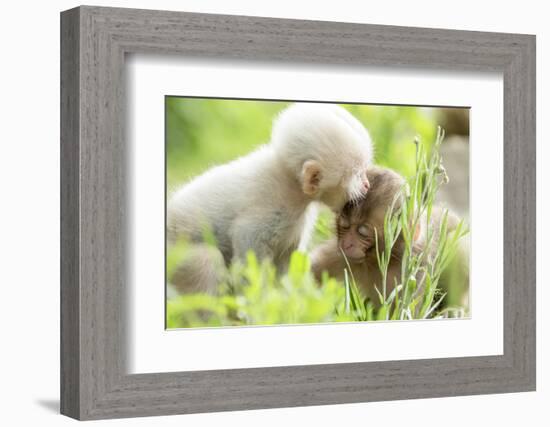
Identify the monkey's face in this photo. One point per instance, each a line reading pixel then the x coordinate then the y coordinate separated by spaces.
pixel 334 182
pixel 358 233
pixel 360 223
pixel 352 187
pixel 356 184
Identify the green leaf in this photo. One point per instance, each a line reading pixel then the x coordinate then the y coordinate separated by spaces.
pixel 382 312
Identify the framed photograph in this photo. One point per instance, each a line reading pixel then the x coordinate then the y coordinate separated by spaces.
pixel 322 256
pixel 261 213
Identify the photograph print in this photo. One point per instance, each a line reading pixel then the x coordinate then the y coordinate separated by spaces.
pixel 286 213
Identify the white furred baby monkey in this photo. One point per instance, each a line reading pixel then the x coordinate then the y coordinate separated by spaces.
pixel 265 201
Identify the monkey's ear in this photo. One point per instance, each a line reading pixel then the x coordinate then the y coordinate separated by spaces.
pixel 312 174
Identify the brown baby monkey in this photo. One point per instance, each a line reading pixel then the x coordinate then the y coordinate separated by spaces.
pixel 358 228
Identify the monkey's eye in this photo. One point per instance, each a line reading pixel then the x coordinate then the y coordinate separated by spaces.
pixel 343 222
pixel 363 231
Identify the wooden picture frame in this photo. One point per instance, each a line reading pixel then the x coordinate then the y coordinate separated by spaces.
pixel 94 41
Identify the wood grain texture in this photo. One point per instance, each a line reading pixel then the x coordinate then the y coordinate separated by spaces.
pixel 95 274
pixel 70 259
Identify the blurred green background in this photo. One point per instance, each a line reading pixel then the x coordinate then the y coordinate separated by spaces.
pixel 201 133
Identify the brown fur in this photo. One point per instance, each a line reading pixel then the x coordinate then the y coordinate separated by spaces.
pixel 385 191
pixel 385 185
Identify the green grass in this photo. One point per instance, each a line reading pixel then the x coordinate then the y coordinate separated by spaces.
pixel 417 294
pixel 253 294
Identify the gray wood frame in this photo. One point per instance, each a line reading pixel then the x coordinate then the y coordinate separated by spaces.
pixel 94 41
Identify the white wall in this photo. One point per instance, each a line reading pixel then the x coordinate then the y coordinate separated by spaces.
pixel 29 233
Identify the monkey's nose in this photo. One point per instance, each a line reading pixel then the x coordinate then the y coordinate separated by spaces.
pixel 366 184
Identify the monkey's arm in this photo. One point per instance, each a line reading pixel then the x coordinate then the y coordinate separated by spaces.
pixel 327 257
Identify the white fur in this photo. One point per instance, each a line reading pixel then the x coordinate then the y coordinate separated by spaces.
pixel 328 134
pixel 256 202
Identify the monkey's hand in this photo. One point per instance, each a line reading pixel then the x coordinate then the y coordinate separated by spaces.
pixel 327 257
